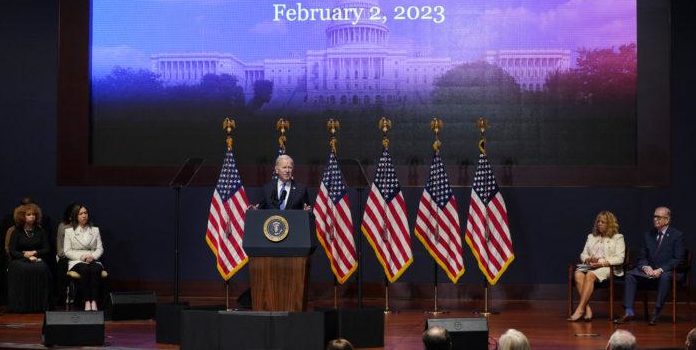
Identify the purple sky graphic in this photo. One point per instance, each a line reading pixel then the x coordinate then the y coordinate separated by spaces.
pixel 126 35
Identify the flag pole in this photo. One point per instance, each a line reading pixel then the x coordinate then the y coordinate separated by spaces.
pixel 482 125
pixel 435 311
pixel 384 125
pixel 486 311
pixel 227 295
pixel 436 126
pixel 386 296
pixel 228 125
pixel 335 293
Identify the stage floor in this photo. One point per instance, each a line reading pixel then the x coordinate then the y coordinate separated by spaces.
pixel 544 323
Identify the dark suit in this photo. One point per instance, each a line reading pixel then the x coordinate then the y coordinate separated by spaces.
pixel 668 255
pixel 297 196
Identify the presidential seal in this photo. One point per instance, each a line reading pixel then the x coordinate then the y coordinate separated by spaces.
pixel 276 228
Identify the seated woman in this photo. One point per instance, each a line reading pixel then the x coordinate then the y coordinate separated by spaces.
pixel 604 247
pixel 83 248
pixel 28 276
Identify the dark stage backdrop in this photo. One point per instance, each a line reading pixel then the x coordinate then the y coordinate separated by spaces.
pixel 548 224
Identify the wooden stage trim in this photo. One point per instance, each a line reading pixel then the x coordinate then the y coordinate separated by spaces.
pixel 542 321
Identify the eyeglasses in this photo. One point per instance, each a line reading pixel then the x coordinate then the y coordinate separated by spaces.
pixel 658 217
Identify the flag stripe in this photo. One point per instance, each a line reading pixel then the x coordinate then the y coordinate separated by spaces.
pixel 437 222
pixel 385 222
pixel 334 226
pixel 487 230
pixel 225 229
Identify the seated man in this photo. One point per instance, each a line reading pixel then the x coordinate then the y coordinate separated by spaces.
pixel 663 249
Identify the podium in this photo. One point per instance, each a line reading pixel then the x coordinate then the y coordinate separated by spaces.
pixel 278 245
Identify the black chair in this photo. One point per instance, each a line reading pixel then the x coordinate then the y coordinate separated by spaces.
pixel 609 284
pixel 72 295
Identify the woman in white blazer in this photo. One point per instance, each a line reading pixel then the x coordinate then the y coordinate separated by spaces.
pixel 604 247
pixel 83 248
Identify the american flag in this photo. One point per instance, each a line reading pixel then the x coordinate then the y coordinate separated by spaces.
pixel 384 222
pixel 487 231
pixel 226 220
pixel 334 223
pixel 437 222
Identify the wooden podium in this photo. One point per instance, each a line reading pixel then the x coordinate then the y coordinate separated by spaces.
pixel 278 245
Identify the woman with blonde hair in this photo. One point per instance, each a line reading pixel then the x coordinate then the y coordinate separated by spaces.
pixel 513 339
pixel 604 247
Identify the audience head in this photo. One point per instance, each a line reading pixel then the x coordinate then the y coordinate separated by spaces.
pixel 605 224
pixel 690 343
pixel 67 213
pixel 437 338
pixel 26 200
pixel 513 339
pixel 662 217
pixel 339 344
pixel 27 214
pixel 621 340
pixel 283 167
pixel 79 216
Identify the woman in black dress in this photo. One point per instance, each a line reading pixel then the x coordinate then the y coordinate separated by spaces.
pixel 28 276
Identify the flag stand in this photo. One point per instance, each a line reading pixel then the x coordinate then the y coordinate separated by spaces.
pixel 435 310
pixel 387 311
pixel 486 312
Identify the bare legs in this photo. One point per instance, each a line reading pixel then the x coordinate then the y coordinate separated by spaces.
pixel 584 282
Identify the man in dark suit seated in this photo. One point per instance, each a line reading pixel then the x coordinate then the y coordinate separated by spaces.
pixel 284 194
pixel 662 250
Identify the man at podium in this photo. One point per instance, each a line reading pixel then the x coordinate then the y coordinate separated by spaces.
pixel 284 193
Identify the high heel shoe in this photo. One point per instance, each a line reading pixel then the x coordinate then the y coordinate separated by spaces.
pixel 588 315
pixel 574 319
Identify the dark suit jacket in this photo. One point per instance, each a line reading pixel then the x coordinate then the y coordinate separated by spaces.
pixel 297 197
pixel 668 255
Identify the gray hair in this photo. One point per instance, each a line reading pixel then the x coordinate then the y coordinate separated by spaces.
pixel 284 157
pixel 513 339
pixel 621 340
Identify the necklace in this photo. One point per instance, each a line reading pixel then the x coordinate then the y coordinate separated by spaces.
pixel 29 233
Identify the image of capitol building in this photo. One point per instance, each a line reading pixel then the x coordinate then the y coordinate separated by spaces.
pixel 357 68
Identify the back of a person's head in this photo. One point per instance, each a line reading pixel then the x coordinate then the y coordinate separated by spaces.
pixel 513 339
pixel 690 343
pixel 339 344
pixel 437 338
pixel 621 340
